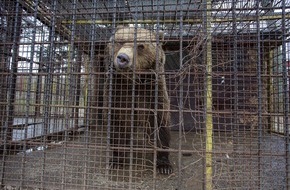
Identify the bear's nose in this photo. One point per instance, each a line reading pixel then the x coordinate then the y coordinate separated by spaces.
pixel 123 60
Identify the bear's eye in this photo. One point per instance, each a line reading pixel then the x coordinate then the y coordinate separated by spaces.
pixel 119 43
pixel 141 47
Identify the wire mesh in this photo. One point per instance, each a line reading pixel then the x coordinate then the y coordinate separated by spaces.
pixel 127 94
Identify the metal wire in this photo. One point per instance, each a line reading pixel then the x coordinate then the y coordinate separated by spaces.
pixel 72 118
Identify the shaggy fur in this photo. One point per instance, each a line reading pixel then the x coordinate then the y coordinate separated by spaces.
pixel 141 60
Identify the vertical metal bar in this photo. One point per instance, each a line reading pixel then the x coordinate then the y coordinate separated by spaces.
pixel 155 136
pixel 285 93
pixel 208 123
pixel 111 67
pixel 87 104
pixel 39 83
pixel 235 129
pixel 89 93
pixel 180 106
pixel 38 89
pixel 28 96
pixel 68 94
pixel 133 101
pixel 5 49
pixel 77 89
pixel 270 92
pixel 259 80
pixel 13 70
pixel 235 66
pixel 48 88
pixel 7 128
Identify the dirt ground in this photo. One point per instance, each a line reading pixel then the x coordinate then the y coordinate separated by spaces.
pixel 239 161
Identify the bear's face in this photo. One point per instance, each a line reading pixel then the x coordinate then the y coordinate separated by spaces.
pixel 141 53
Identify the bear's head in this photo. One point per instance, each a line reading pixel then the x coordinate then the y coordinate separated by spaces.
pixel 136 48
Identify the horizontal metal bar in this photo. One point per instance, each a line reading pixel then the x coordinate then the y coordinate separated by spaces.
pixel 185 21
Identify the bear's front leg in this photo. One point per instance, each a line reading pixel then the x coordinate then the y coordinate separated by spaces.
pixel 163 164
pixel 119 140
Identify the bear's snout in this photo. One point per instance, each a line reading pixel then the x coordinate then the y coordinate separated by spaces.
pixel 123 60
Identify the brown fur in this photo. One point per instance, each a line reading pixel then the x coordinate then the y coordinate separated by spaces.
pixel 120 105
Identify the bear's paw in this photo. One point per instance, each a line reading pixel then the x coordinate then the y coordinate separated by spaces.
pixel 164 166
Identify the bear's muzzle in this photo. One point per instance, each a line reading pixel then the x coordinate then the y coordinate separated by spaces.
pixel 123 60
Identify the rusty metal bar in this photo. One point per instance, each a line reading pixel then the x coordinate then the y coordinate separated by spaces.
pixel 259 71
pixel 15 30
pixel 181 101
pixel 190 21
pixel 208 106
pixel 286 104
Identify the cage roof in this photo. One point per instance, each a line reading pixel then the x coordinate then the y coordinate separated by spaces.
pixel 97 18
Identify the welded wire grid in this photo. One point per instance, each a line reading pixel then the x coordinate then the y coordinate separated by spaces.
pixel 227 79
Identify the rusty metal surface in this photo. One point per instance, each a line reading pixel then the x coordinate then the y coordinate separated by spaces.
pixel 59 89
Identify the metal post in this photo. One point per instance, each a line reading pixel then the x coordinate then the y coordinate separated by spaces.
pixel 259 80
pixel 28 91
pixel 48 87
pixel 180 107
pixel 285 95
pixel 208 122
pixel 270 93
pixel 15 23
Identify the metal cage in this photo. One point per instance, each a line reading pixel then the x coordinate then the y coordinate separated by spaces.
pixel 78 114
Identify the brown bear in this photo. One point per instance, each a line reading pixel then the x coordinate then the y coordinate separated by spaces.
pixel 135 88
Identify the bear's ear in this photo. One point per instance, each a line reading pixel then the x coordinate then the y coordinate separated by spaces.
pixel 161 37
pixel 118 27
pixel 121 26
